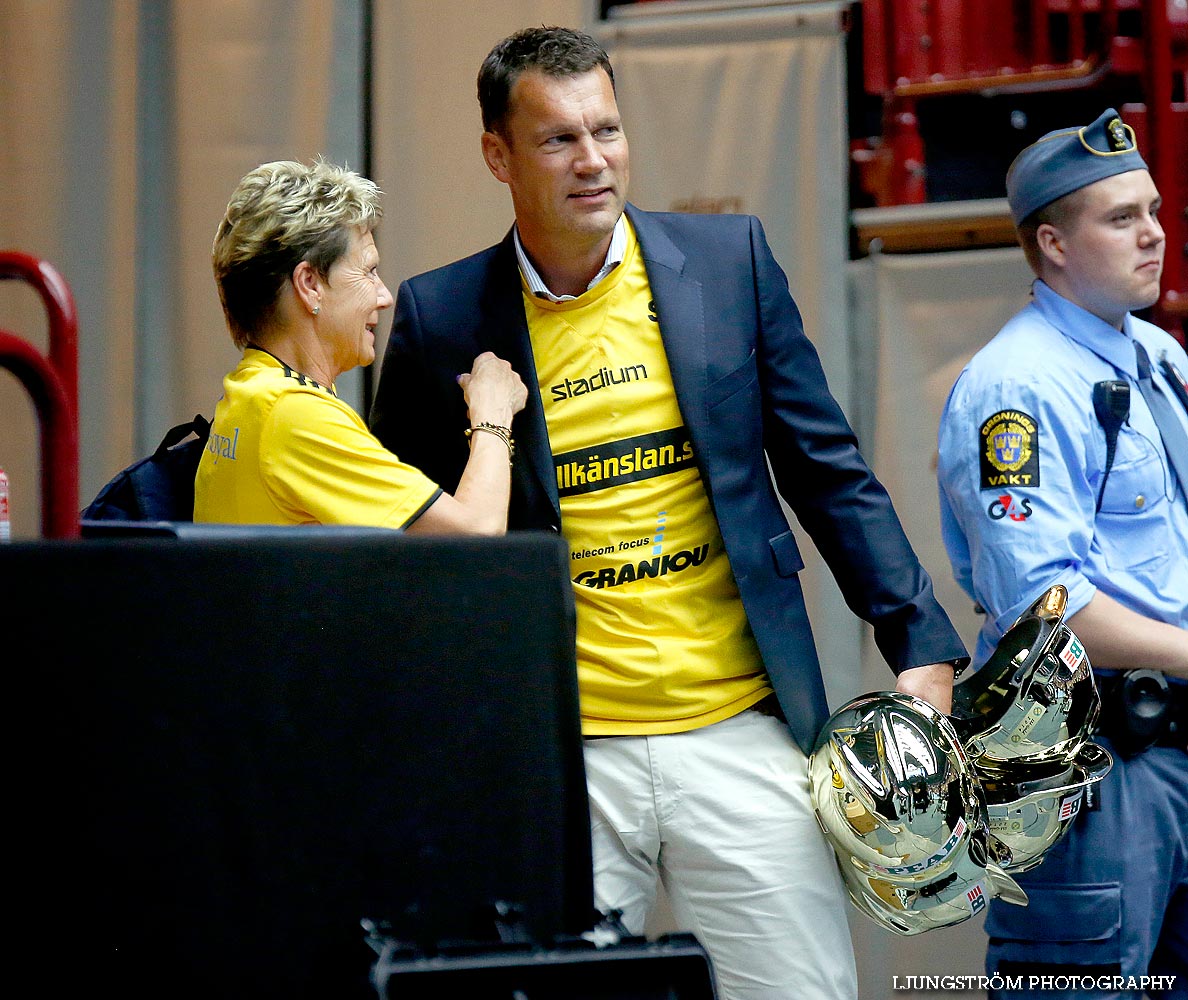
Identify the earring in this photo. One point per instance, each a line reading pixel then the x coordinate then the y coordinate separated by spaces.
pixel 316 310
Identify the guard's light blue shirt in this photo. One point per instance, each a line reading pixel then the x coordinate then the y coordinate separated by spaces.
pixel 1021 456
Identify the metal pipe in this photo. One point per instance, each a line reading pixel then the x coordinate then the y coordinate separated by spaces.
pixel 52 381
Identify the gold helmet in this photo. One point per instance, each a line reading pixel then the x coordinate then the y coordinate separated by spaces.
pixel 898 801
pixel 1024 720
pixel 1034 701
pixel 1031 808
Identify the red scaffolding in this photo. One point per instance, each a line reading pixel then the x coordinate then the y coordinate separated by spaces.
pixel 916 49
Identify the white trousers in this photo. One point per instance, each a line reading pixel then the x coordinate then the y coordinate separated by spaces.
pixel 722 817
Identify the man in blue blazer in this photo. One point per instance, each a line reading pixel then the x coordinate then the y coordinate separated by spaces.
pixel 666 365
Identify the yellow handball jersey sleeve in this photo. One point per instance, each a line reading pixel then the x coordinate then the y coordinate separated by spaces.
pixel 319 463
pixel 286 450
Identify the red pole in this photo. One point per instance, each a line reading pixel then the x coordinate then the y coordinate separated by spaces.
pixel 52 381
pixel 1161 133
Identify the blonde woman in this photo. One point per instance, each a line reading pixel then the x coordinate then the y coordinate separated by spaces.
pixel 297 269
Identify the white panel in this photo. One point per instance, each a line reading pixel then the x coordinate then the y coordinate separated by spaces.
pixel 932 312
pixel 441 203
pixel 125 205
pixel 918 319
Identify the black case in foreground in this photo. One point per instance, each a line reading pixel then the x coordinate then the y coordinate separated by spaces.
pixel 675 967
pixel 224 751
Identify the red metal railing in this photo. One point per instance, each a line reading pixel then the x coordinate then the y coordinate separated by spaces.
pixel 913 48
pixel 52 381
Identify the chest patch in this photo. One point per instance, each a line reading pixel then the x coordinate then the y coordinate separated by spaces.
pixel 1008 445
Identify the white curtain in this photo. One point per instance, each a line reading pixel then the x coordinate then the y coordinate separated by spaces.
pixel 441 203
pixel 124 126
pixel 66 167
pixel 918 318
pixel 743 110
pixel 921 318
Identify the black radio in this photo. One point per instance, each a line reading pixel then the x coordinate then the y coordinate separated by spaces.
pixel 1141 709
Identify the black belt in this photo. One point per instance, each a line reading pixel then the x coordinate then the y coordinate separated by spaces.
pixel 770 706
pixel 1141 709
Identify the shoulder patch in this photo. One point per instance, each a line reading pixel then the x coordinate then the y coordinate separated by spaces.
pixel 1008 445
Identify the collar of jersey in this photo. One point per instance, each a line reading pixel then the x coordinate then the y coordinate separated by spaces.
pixel 597 291
pixel 616 253
pixel 288 372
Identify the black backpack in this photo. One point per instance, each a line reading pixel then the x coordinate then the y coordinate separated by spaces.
pixel 159 487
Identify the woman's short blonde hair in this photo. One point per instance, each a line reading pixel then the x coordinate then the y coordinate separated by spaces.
pixel 281 214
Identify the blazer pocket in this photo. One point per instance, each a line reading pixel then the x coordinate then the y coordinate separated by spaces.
pixel 744 375
pixel 786 553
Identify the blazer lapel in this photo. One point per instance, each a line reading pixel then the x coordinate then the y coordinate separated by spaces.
pixel 682 330
pixel 682 320
pixel 533 472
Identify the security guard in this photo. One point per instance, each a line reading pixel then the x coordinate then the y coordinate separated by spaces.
pixel 1063 459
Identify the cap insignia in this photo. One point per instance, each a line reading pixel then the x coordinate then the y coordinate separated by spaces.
pixel 1117 134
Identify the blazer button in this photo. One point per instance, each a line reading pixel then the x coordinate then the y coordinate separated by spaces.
pixel 1140 501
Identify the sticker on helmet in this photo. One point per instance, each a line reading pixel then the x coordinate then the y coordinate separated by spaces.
pixel 1008 445
pixel 976 896
pixel 936 858
pixel 1072 654
pixel 1000 824
pixel 1027 723
pixel 1070 806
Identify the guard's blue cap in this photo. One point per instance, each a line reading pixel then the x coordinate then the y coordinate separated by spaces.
pixel 1069 159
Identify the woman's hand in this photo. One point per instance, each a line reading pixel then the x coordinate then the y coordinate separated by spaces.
pixel 494 392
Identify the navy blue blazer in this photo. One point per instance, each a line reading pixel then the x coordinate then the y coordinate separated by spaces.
pixel 750 388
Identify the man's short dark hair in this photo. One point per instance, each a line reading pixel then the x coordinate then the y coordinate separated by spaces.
pixel 1063 213
pixel 552 51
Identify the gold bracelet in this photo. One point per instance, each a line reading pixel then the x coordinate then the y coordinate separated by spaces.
pixel 501 432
